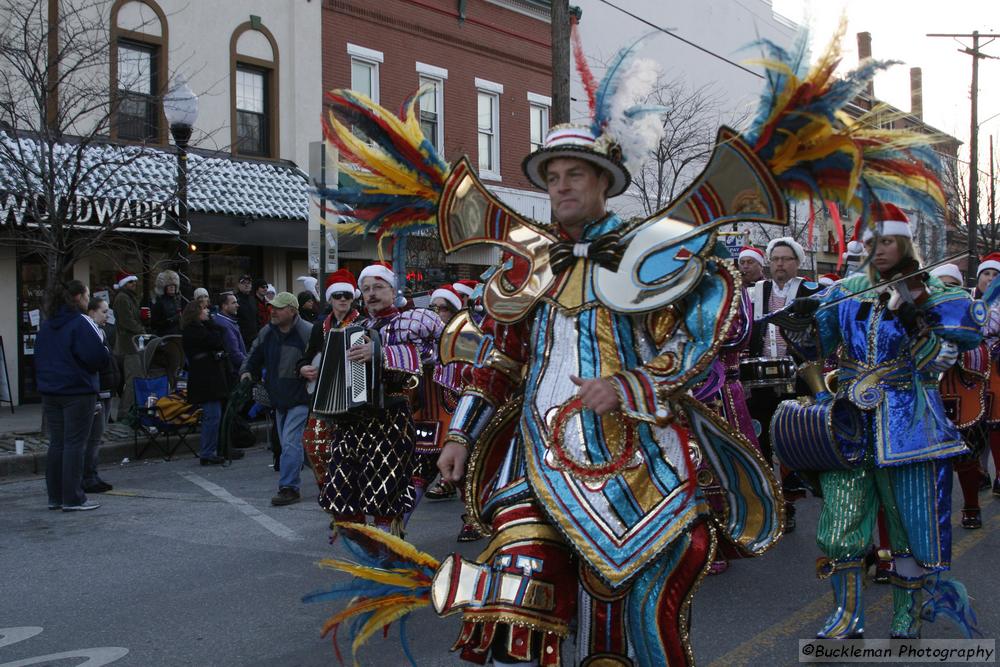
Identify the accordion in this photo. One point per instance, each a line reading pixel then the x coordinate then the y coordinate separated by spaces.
pixel 344 385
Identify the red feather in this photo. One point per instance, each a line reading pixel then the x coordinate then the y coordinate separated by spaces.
pixel 589 82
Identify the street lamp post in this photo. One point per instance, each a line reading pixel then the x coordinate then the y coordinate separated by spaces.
pixel 180 106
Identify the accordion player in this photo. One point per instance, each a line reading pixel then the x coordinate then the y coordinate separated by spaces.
pixel 342 384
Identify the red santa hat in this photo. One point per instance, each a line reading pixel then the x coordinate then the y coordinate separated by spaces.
pixel 950 270
pixel 828 279
pixel 465 287
pixel 796 247
pixel 124 278
pixel 990 261
pixel 753 253
pixel 855 247
pixel 449 294
pixel 892 222
pixel 381 270
pixel 340 280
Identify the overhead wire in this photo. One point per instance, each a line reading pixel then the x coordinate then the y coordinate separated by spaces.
pixel 678 37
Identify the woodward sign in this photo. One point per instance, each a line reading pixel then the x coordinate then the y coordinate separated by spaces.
pixel 92 213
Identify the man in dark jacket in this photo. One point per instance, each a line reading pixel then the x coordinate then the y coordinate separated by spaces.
pixel 68 356
pixel 275 354
pixel 246 316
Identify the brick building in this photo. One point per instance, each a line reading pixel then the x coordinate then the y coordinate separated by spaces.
pixel 490 64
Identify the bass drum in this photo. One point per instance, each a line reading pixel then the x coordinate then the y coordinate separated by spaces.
pixel 818 436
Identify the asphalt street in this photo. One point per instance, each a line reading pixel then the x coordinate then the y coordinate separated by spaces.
pixel 190 565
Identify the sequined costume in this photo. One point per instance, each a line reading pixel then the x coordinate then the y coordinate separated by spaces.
pixel 593 515
pixel 893 378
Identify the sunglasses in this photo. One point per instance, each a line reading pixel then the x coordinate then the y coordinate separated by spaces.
pixel 342 295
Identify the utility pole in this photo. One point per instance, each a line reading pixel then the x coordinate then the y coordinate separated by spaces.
pixel 971 223
pixel 560 62
pixel 993 200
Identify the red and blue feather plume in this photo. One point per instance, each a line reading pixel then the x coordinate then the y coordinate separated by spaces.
pixel 816 151
pixel 392 177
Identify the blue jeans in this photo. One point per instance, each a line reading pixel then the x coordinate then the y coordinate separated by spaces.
pixel 92 453
pixel 211 416
pixel 69 419
pixel 291 423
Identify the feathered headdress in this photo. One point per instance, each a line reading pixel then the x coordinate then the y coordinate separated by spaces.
pixel 393 176
pixel 623 128
pixel 816 151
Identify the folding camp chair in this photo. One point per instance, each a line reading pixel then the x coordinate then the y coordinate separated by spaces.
pixel 160 415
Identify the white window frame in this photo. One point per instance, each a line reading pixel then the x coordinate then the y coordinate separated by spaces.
pixel 541 102
pixel 369 57
pixel 439 75
pixel 495 90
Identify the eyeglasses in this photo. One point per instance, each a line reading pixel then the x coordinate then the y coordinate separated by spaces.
pixel 437 309
pixel 342 295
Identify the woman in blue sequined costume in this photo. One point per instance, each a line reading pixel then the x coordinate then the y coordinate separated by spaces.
pixel 892 349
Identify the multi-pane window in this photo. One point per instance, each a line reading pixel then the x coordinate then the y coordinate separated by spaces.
pixel 138 112
pixel 489 144
pixel 364 77
pixel 430 110
pixel 539 124
pixel 252 112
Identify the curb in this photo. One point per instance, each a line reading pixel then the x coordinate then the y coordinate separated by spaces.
pixel 23 465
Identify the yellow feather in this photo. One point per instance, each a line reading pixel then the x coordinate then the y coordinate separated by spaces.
pixel 363 607
pixel 397 545
pixel 388 577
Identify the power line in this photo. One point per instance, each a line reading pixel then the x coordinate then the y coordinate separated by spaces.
pixel 686 41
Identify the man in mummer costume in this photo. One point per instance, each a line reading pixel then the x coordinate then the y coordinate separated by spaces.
pixel 577 436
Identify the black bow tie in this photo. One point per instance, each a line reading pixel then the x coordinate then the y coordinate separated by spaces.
pixel 606 251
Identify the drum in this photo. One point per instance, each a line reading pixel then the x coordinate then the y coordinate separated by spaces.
pixel 765 372
pixel 964 385
pixel 810 436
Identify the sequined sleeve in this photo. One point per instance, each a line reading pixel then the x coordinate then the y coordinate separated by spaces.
pixel 956 324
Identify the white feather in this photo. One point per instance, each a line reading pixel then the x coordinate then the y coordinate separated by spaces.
pixel 637 136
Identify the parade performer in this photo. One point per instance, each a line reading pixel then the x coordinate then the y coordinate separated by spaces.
pixel 963 390
pixel 370 454
pixel 767 350
pixel 893 346
pixel 341 291
pixel 989 269
pixel 577 435
pixel 443 389
pixel 751 262
pixel 452 377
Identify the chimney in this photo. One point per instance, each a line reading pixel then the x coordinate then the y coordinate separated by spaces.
pixel 864 53
pixel 916 93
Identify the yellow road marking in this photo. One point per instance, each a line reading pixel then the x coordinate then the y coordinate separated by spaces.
pixel 811 613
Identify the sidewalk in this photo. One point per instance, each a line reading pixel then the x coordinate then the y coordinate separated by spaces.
pixel 118 443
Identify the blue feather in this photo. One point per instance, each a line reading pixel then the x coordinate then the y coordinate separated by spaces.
pixel 949 598
pixel 609 85
pixel 404 641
